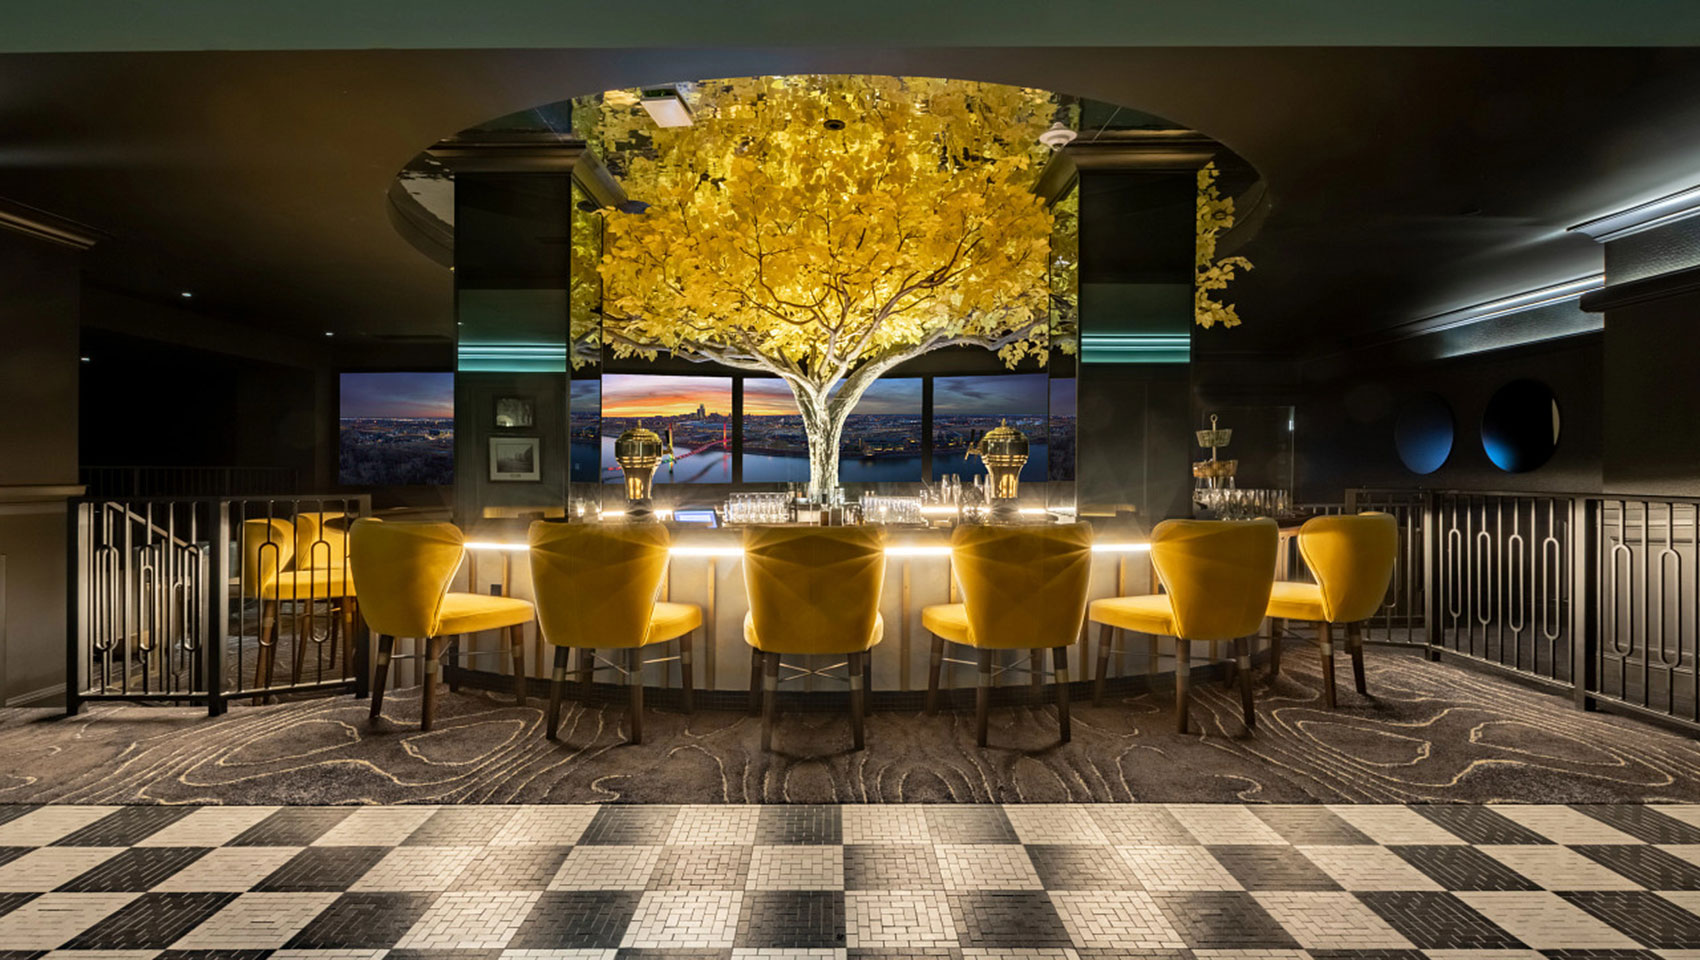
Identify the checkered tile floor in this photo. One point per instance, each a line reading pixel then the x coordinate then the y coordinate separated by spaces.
pixel 1164 882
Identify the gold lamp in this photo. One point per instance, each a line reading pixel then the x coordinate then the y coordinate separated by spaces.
pixel 638 452
pixel 1004 452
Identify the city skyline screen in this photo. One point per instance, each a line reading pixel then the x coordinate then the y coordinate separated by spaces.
pixel 964 408
pixel 695 411
pixel 584 427
pixel 396 429
pixel 881 440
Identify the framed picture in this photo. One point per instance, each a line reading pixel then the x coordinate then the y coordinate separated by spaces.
pixel 514 458
pixel 514 412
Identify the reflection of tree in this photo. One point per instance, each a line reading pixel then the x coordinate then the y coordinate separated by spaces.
pixel 825 229
pixel 1215 214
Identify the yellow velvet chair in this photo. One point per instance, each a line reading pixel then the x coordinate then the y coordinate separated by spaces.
pixel 1216 577
pixel 1023 587
pixel 812 590
pixel 403 572
pixel 596 588
pixel 276 571
pixel 1352 559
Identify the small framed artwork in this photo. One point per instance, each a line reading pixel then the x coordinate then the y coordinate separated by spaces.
pixel 514 458
pixel 514 412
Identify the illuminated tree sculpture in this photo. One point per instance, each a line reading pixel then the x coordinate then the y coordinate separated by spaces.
pixel 823 229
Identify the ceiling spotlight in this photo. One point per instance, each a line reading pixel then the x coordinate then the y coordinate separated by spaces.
pixel 329 334
pixel 187 294
pixel 83 359
pixel 1058 136
pixel 833 124
pixel 666 107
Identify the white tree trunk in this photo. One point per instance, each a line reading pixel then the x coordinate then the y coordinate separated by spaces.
pixel 823 422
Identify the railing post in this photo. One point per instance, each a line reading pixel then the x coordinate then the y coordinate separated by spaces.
pixel 362 636
pixel 1431 577
pixel 74 585
pixel 218 612
pixel 1584 602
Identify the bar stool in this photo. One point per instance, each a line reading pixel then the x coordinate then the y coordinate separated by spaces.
pixel 403 572
pixel 596 587
pixel 275 572
pixel 1022 588
pixel 1352 559
pixel 1216 576
pixel 812 590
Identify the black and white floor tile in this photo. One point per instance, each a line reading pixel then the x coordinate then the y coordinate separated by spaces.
pixel 1090 882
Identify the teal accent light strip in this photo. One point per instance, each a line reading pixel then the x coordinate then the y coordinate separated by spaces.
pixel 1136 347
pixel 511 357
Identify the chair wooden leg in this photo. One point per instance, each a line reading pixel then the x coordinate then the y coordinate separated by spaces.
pixel 755 681
pixel 557 684
pixel 1183 680
pixel 381 673
pixel 1355 641
pixel 634 687
pixel 858 702
pixel 686 680
pixel 769 697
pixel 1106 643
pixel 1276 626
pixel 298 655
pixel 516 651
pixel 434 649
pixel 868 672
pixel 934 663
pixel 268 643
pixel 1035 674
pixel 1059 660
pixel 1326 636
pixel 1242 654
pixel 586 672
pixel 982 696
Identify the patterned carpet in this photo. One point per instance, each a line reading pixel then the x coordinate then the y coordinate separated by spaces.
pixel 1430 733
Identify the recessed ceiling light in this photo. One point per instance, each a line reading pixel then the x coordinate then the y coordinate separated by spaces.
pixel 187 293
pixel 666 107
pixel 329 333
pixel 83 359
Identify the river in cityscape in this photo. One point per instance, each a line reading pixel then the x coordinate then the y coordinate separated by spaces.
pixel 714 466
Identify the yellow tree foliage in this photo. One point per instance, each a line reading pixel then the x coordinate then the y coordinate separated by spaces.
pixel 1215 214
pixel 823 229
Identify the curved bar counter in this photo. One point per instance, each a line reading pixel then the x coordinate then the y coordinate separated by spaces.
pixel 706 570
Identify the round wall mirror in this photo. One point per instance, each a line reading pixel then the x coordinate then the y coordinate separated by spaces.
pixel 1423 433
pixel 1520 426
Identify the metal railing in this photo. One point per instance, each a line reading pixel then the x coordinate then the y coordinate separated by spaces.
pixel 202 599
pixel 1595 594
pixel 106 481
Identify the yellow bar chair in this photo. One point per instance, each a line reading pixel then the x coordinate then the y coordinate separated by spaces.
pixel 403 572
pixel 275 572
pixel 1352 559
pixel 1022 588
pixel 812 590
pixel 1216 577
pixel 596 587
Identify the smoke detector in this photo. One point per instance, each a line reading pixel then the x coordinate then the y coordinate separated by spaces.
pixel 1058 136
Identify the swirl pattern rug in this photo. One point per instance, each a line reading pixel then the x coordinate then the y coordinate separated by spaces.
pixel 1428 733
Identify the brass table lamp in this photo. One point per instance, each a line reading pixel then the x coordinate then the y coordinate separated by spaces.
pixel 638 452
pixel 1004 452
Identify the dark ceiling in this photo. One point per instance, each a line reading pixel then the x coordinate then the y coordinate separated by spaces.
pixel 1403 182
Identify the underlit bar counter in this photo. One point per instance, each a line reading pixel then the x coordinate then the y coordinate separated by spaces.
pixel 706 570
